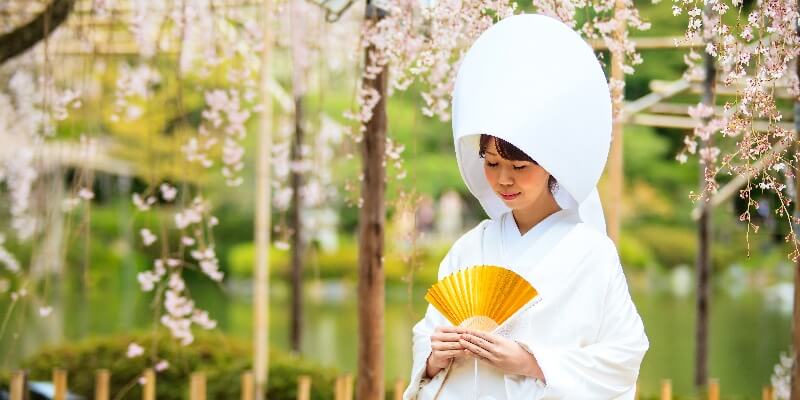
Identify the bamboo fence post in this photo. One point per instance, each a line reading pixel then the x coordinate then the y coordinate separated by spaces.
pixel 263 225
pixel 101 384
pixel 666 389
pixel 348 386
pixel 18 386
pixel 59 384
pixel 713 389
pixel 247 386
pixel 149 390
pixel 766 393
pixel 337 388
pixel 304 387
pixel 399 386
pixel 197 386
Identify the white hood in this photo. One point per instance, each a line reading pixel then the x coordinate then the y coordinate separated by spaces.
pixel 535 83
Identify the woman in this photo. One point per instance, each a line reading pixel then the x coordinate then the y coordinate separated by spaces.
pixel 532 128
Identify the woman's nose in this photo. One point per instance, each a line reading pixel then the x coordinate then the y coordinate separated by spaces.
pixel 505 178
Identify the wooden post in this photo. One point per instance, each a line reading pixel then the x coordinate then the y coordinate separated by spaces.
pixel 197 386
pixel 247 386
pixel 371 232
pixel 347 390
pixel 102 380
pixel 713 389
pixel 337 388
pixel 149 390
pixel 262 222
pixel 767 393
pixel 616 174
pixel 19 386
pixel 303 387
pixel 59 384
pixel 399 388
pixel 666 389
pixel 344 387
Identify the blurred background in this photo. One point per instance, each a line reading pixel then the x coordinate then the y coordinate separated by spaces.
pixel 129 139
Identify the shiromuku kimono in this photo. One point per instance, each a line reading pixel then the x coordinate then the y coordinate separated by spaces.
pixel 535 83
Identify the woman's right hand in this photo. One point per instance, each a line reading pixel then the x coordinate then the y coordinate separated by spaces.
pixel 445 347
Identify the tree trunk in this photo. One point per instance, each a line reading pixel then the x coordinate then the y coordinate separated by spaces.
pixel 704 243
pixel 296 335
pixel 795 390
pixel 26 36
pixel 370 385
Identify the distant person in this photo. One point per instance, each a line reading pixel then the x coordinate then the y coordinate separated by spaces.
pixel 425 214
pixel 449 217
pixel 532 128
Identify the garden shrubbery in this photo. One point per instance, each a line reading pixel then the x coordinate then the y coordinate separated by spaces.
pixel 221 358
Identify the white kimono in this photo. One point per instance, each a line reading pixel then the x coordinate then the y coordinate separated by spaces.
pixel 584 332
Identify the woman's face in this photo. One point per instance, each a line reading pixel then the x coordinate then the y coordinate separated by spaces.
pixel 520 184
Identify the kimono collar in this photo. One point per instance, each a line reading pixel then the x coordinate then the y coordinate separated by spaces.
pixel 535 83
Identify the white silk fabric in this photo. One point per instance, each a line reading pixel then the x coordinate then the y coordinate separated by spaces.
pixel 584 331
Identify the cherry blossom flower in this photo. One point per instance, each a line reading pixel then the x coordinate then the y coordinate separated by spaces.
pixel 161 366
pixel 134 350
pixel 148 237
pixel 45 311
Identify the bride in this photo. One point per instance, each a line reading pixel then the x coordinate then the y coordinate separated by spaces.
pixel 532 128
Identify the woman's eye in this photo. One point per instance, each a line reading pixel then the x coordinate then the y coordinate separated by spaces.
pixel 491 165
pixel 520 167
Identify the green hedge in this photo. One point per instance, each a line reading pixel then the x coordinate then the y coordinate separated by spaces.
pixel 670 246
pixel 221 358
pixel 340 264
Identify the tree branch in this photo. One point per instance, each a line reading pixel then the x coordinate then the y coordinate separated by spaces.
pixel 26 36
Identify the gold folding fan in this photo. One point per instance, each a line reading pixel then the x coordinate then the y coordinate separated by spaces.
pixel 481 297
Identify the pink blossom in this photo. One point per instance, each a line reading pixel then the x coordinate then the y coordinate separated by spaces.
pixel 134 350
pixel 161 366
pixel 148 237
pixel 168 192
pixel 45 311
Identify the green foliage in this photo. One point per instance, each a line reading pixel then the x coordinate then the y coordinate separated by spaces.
pixel 222 359
pixel 633 252
pixel 339 264
pixel 675 245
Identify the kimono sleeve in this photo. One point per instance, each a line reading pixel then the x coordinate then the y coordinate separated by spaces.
pixel 606 369
pixel 420 387
pixel 418 384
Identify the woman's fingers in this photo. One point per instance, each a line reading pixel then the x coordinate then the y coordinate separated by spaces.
pixel 457 329
pixel 476 350
pixel 483 335
pixel 444 337
pixel 446 346
pixel 449 353
pixel 479 341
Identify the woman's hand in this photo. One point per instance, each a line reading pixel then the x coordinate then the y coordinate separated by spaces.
pixel 504 354
pixel 445 347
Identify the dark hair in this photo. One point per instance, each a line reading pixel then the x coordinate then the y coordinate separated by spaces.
pixel 510 152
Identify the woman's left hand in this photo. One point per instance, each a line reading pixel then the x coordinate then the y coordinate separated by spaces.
pixel 504 354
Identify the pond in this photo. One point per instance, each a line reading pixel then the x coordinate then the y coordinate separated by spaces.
pixel 748 332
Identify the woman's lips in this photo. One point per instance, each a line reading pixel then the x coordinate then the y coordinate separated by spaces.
pixel 511 196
